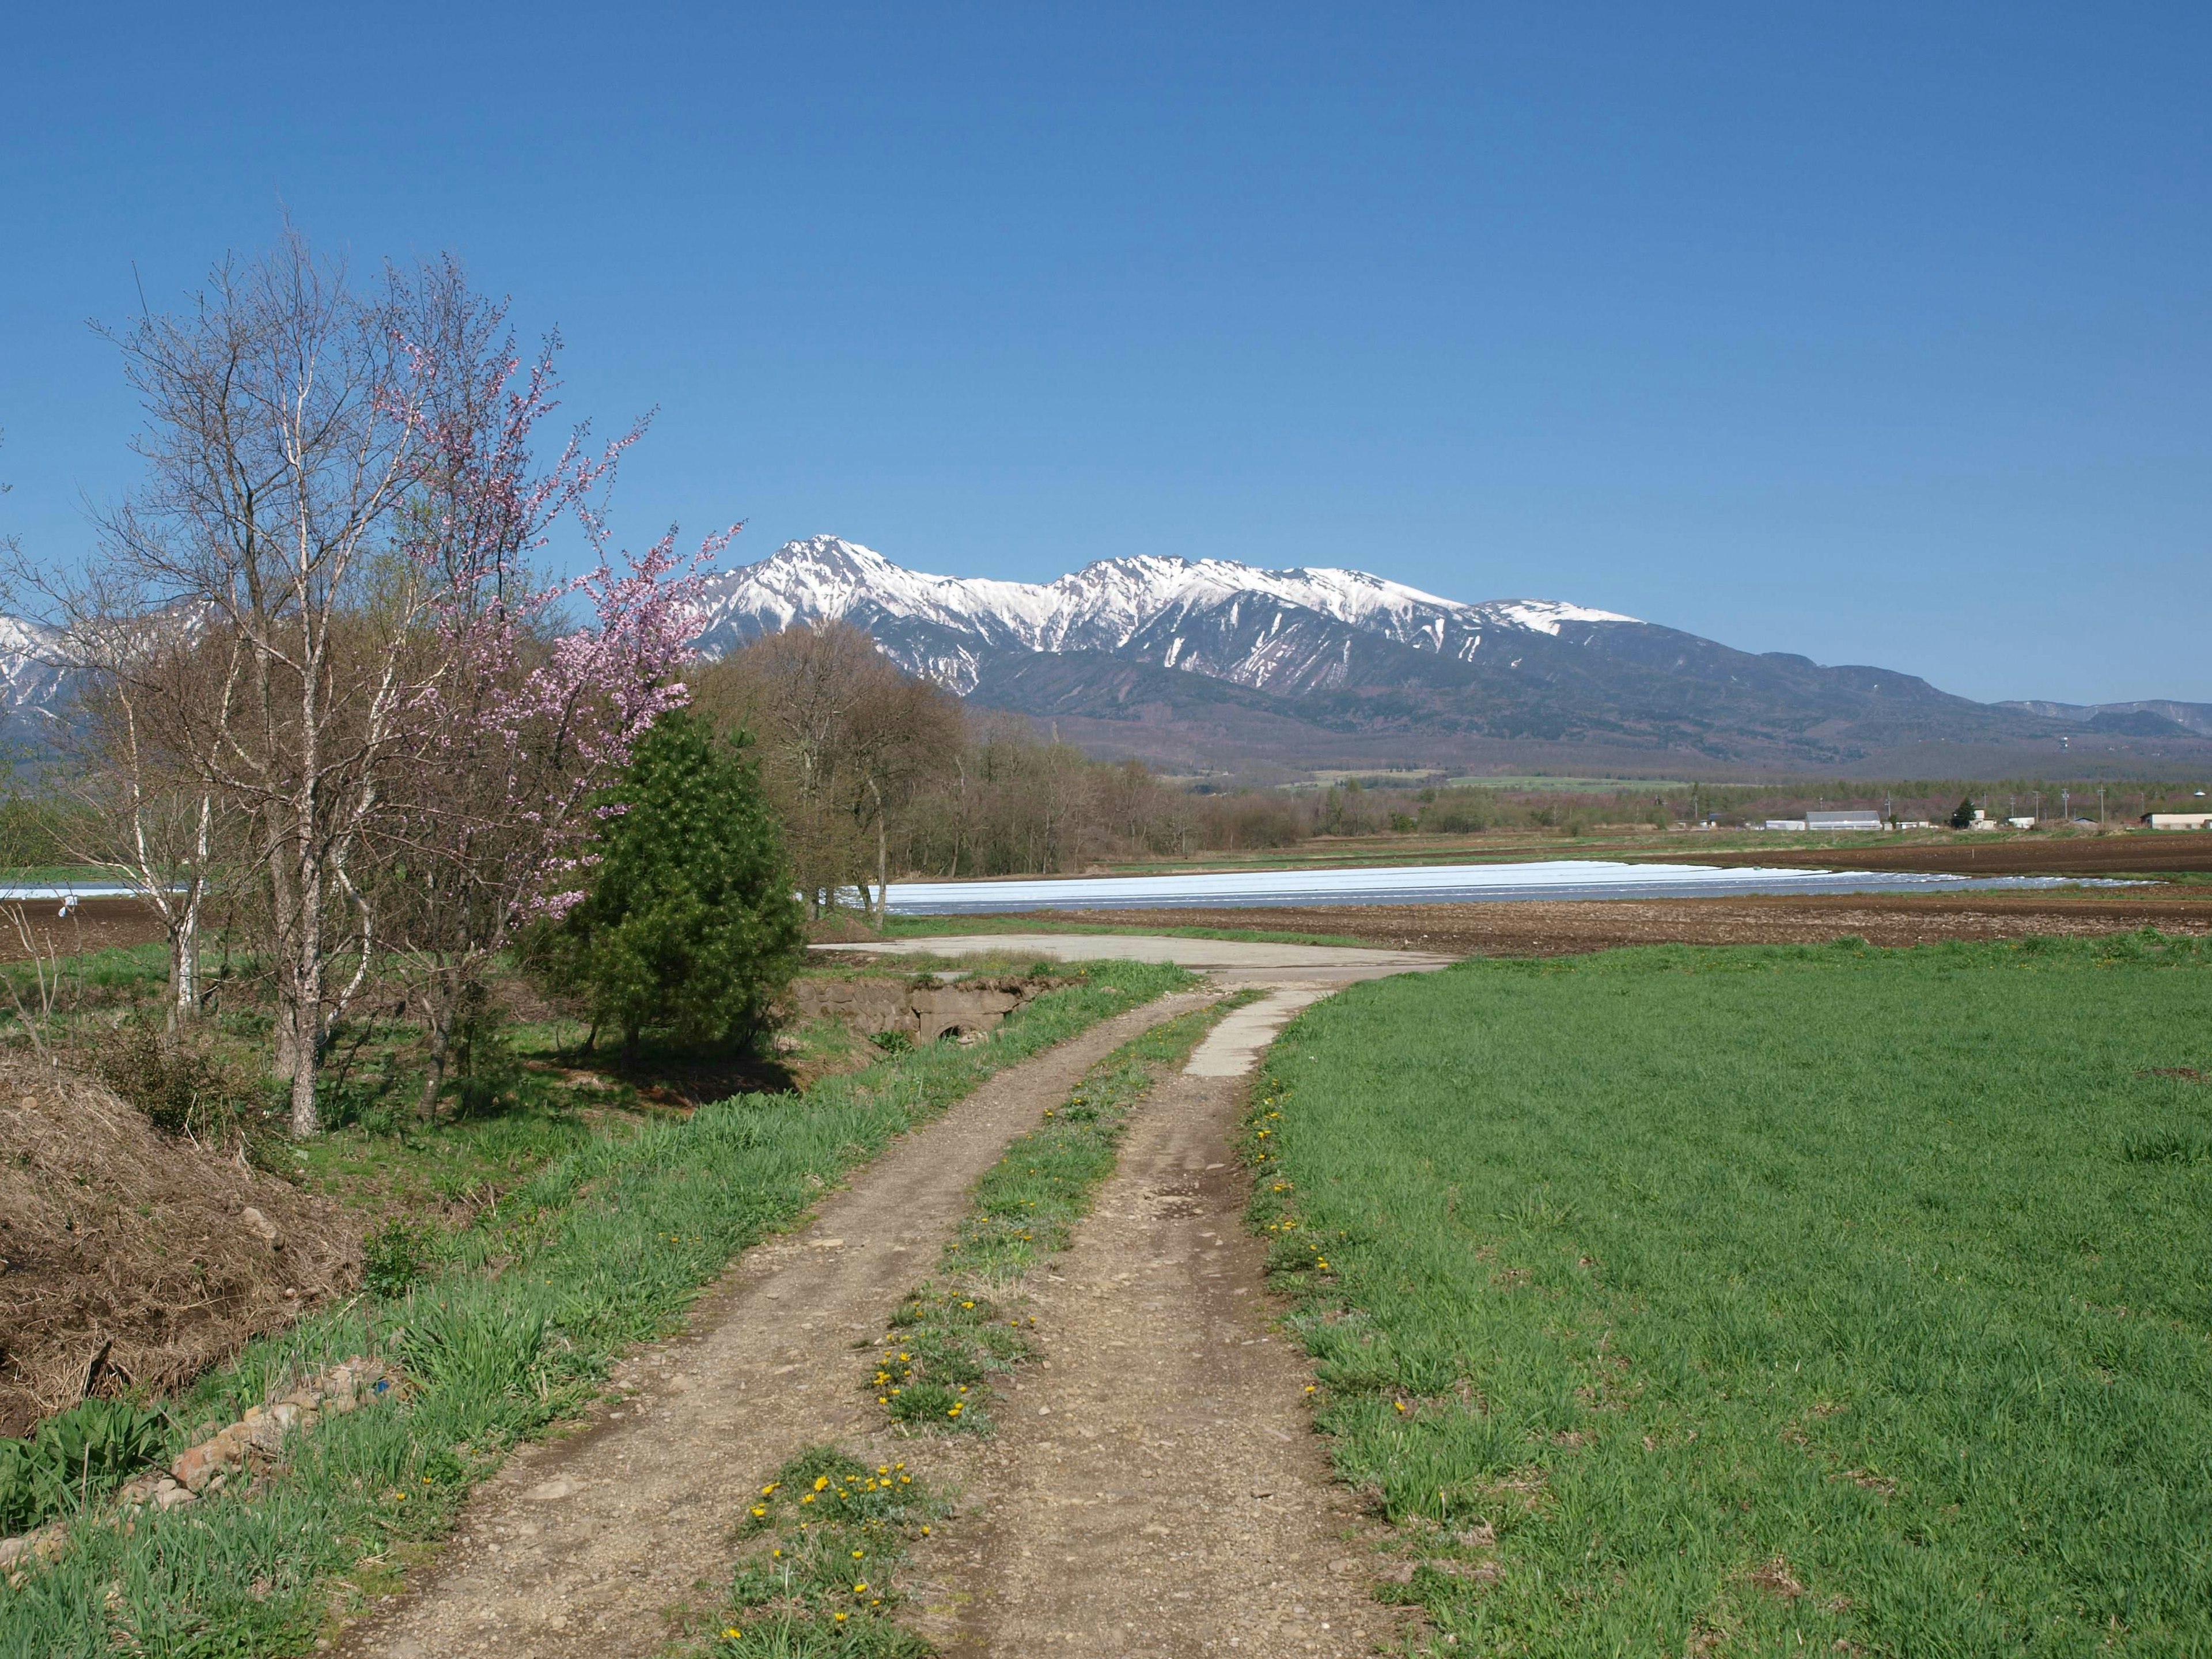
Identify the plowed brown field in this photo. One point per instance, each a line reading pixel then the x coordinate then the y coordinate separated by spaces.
pixel 1545 927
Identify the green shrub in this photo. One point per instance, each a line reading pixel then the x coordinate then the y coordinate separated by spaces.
pixel 484 1071
pixel 397 1256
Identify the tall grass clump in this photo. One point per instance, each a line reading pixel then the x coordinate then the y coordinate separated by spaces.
pixel 507 1327
pixel 1682 1300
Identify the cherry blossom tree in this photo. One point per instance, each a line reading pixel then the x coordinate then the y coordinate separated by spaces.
pixel 342 500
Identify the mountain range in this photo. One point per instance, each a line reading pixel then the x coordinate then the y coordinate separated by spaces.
pixel 1209 666
pixel 1206 664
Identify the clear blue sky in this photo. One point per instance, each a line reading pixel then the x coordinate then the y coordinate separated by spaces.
pixel 1879 333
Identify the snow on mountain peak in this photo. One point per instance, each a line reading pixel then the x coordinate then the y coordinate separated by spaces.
pixel 1101 606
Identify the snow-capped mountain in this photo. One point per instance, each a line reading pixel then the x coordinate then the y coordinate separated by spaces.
pixel 1207 663
pixel 1213 616
pixel 1203 661
pixel 32 687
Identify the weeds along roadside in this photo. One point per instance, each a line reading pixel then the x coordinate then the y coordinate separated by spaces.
pixel 950 1334
pixel 822 1548
pixel 602 1249
pixel 1720 1298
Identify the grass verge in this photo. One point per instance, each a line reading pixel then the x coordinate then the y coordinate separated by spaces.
pixel 1689 1301
pixel 950 1334
pixel 603 1249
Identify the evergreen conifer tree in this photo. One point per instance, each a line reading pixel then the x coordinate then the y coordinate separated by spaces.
pixel 691 926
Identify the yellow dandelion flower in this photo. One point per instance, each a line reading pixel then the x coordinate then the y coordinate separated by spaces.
pixel 730 1632
pixel 861 1589
pixel 821 1483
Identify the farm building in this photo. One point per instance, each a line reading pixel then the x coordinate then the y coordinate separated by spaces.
pixel 1843 820
pixel 2180 820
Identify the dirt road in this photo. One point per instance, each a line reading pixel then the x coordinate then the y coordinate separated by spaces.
pixel 597 1545
pixel 1155 1488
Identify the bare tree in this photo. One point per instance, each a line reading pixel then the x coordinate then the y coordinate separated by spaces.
pixel 293 419
pixel 845 739
pixel 150 817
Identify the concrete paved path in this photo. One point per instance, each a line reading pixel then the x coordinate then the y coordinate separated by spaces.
pixel 1230 962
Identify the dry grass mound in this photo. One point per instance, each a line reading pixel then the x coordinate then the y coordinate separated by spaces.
pixel 841 927
pixel 132 1257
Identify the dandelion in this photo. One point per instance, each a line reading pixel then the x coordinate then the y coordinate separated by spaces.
pixel 730 1632
pixel 821 1483
pixel 841 1618
pixel 925 1532
pixel 1400 1405
pixel 861 1589
pixel 760 1511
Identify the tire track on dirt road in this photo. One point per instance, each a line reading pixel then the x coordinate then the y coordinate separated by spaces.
pixel 1155 1489
pixel 601 1543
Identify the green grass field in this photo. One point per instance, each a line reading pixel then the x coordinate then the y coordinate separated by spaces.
pixel 1768 1299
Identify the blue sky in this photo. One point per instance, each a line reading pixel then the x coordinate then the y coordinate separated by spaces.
pixel 1876 333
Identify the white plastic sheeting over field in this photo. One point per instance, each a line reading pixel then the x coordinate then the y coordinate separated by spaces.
pixel 1433 884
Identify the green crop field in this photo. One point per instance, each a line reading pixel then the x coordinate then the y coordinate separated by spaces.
pixel 1768 1300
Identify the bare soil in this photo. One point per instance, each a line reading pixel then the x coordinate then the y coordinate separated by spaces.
pixel 1547 928
pixel 1989 853
pixel 95 925
pixel 127 1257
pixel 618 1538
pixel 1155 1487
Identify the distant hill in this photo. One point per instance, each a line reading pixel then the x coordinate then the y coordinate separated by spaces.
pixel 2156 717
pixel 1206 662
